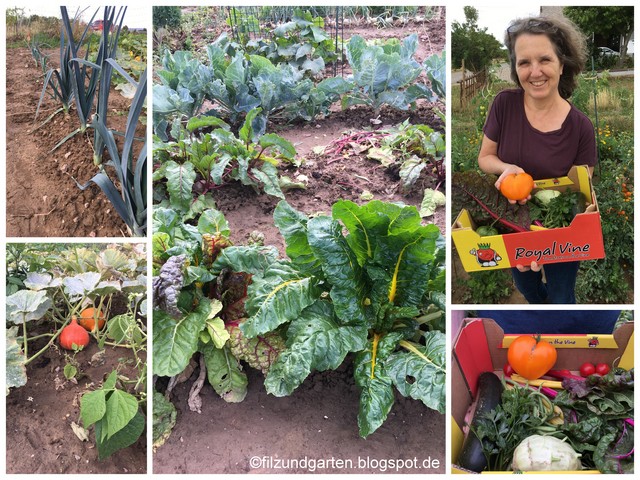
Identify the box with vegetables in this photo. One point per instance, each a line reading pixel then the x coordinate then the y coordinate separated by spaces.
pixel 528 403
pixel 560 223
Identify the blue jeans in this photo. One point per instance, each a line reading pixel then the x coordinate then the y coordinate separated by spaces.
pixel 560 283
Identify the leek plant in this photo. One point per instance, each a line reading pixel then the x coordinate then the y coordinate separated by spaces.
pixel 131 200
pixel 86 75
pixel 61 79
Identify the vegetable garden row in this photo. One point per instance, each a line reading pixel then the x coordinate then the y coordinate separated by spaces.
pixel 360 285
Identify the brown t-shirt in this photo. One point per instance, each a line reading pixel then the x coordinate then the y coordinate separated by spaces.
pixel 540 154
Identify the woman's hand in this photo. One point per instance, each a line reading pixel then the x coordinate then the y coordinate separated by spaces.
pixel 534 266
pixel 510 169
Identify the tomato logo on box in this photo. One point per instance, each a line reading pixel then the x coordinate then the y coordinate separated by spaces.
pixel 485 255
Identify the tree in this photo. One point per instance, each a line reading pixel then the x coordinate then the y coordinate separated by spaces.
pixel 604 21
pixel 472 44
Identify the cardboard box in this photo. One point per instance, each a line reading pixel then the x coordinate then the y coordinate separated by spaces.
pixel 582 240
pixel 481 346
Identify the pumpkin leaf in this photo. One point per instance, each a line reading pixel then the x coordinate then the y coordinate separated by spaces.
pixel 16 371
pixel 27 305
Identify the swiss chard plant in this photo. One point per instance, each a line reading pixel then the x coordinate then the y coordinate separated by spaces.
pixel 385 74
pixel 376 292
pixel 201 159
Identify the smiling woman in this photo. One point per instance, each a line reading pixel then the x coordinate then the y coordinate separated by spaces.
pixel 534 129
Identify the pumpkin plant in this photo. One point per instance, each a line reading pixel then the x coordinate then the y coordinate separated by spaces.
pixel 531 357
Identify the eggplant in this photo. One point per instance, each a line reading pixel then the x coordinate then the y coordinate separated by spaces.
pixel 489 396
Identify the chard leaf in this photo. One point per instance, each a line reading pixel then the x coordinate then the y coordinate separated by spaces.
pixel 421 373
pixel 249 259
pixel 276 298
pixel 293 227
pixel 225 374
pixel 175 341
pixel 285 147
pixel 213 222
pixel 410 170
pixel 180 180
pixel 164 419
pixel 431 201
pixel 409 260
pixel 341 269
pixel 364 225
pixel 316 341
pixel 268 175
pixel 376 387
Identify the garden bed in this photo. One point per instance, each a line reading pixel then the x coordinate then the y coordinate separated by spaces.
pixel 39 416
pixel 316 420
pixel 42 198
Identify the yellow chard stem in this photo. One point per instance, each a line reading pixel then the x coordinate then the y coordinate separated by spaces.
pixel 374 351
pixel 413 349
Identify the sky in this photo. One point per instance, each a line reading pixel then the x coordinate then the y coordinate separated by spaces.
pixel 137 16
pixel 497 18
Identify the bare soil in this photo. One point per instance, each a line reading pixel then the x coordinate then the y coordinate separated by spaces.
pixel 318 421
pixel 39 416
pixel 43 199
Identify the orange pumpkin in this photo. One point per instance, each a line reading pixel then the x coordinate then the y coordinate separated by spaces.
pixel 517 186
pixel 88 319
pixel 531 357
pixel 73 334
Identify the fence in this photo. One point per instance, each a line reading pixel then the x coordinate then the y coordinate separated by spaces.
pixel 470 86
